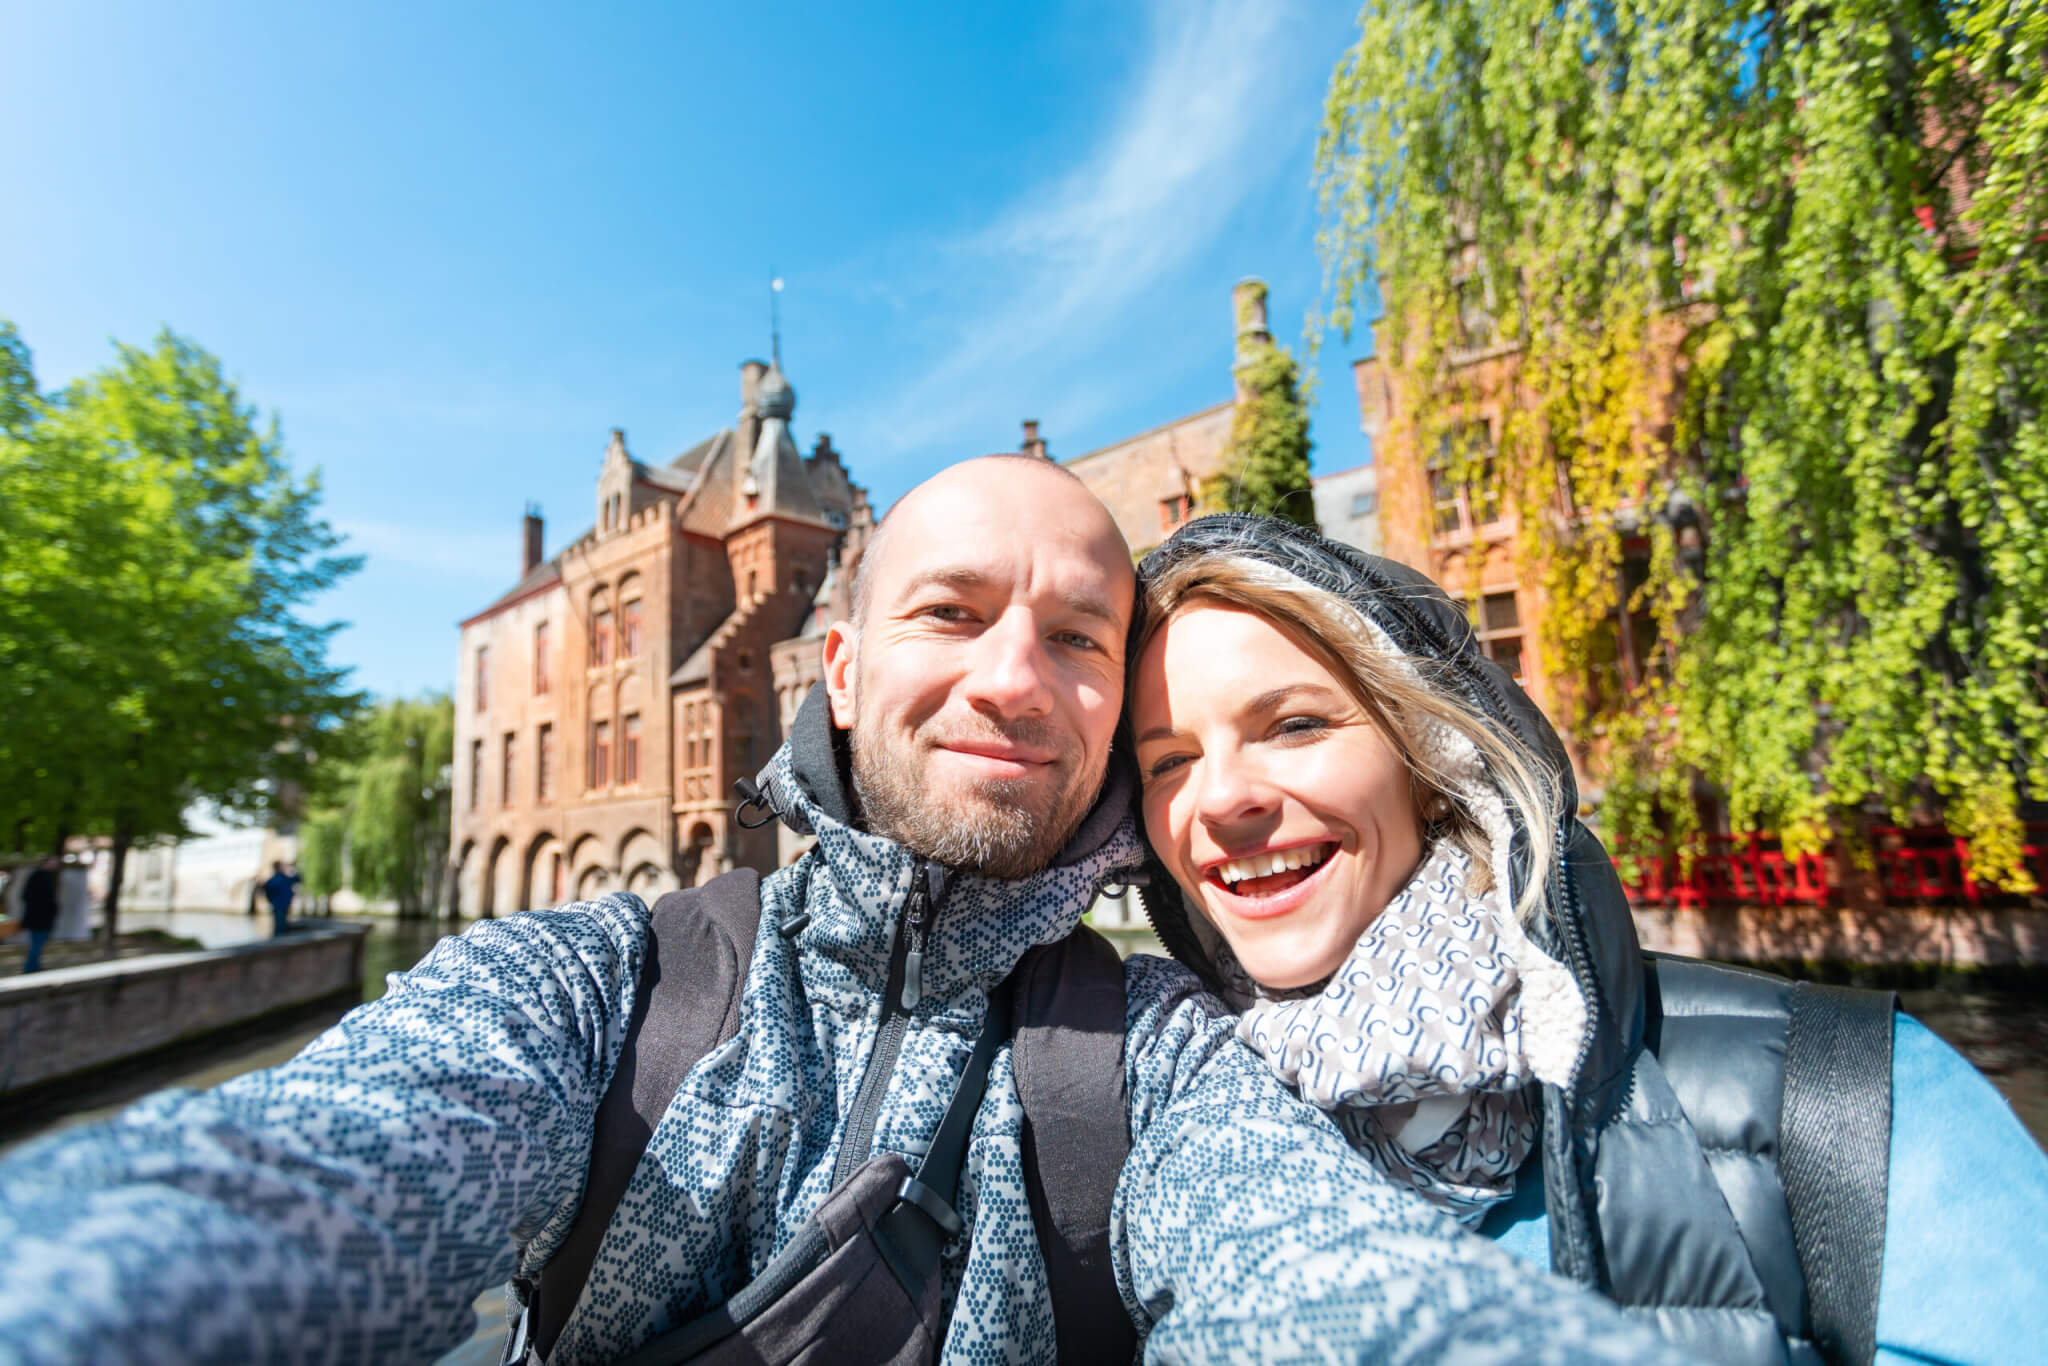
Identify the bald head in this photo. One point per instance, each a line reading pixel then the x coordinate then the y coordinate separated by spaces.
pixel 1013 476
pixel 982 673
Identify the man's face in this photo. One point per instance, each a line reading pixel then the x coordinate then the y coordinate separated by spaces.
pixel 983 684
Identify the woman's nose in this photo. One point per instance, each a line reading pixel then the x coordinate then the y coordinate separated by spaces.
pixel 1231 790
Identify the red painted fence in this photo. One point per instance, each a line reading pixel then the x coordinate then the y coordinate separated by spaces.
pixel 1926 863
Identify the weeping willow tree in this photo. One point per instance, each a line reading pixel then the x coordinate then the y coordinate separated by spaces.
pixel 1774 282
pixel 379 808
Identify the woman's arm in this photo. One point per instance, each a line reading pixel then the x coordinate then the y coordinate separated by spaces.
pixel 352 1203
pixel 1245 1228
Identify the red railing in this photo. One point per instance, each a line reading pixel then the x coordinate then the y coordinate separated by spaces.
pixel 1926 863
pixel 1752 869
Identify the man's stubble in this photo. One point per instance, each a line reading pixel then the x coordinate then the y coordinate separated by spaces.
pixel 1001 828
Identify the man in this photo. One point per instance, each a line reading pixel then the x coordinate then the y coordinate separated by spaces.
pixel 39 901
pixel 278 890
pixel 350 1204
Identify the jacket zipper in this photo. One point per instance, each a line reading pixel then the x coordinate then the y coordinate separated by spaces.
pixel 901 992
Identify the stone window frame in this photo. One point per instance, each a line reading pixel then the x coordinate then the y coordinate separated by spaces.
pixel 600 755
pixel 1501 635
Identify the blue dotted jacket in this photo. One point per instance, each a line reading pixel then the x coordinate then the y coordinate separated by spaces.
pixel 349 1205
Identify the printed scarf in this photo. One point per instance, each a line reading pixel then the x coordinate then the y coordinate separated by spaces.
pixel 1420 1044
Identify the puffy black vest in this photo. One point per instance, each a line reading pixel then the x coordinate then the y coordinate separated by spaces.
pixel 1668 1186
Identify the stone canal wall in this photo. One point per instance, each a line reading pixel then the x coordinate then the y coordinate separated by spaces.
pixel 1909 936
pixel 67 1021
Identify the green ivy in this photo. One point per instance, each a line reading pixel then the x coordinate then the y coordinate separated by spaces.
pixel 1266 467
pixel 1785 265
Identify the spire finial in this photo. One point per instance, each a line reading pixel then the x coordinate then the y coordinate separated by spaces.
pixel 775 317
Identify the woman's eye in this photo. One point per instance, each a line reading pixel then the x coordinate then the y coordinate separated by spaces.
pixel 1301 725
pixel 1159 768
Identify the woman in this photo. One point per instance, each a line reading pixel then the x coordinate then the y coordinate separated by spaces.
pixel 1364 844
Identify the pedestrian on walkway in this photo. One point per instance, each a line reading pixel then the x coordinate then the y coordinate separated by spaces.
pixel 39 909
pixel 279 888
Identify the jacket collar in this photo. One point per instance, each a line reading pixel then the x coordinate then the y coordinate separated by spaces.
pixel 859 882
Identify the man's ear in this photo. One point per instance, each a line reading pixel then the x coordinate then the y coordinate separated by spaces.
pixel 842 644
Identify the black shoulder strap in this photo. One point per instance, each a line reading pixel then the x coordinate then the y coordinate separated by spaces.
pixel 700 942
pixel 1835 1157
pixel 1069 1063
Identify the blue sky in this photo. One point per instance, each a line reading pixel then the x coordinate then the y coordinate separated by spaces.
pixel 453 246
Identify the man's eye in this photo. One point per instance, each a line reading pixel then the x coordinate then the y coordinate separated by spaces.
pixel 946 611
pixel 1076 640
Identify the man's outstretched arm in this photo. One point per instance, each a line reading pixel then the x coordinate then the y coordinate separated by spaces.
pixel 1246 1229
pixel 350 1204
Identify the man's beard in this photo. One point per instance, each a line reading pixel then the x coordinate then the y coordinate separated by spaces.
pixel 1001 828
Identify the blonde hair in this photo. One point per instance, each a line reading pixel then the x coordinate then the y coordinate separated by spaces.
pixel 1395 689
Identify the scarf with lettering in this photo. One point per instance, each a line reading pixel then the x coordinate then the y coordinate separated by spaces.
pixel 1424 1044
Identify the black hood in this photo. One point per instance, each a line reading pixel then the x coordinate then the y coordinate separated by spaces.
pixel 1586 924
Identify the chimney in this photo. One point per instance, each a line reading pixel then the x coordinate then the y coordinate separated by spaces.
pixel 1034 444
pixel 750 382
pixel 822 452
pixel 1248 307
pixel 529 556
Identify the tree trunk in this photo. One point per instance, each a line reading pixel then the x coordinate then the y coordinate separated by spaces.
pixel 118 867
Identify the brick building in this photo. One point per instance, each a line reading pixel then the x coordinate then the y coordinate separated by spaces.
pixel 1463 534
pixel 606 702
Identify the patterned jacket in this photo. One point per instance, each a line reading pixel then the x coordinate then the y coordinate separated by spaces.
pixel 350 1204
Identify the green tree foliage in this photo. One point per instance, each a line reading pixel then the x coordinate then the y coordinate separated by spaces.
pixel 1266 467
pixel 380 817
pixel 155 548
pixel 1787 265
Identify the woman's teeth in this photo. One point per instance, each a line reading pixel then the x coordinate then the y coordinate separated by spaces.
pixel 1265 865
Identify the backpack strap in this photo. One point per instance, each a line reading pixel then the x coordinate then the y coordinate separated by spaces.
pixel 1069 1064
pixel 700 942
pixel 1835 1157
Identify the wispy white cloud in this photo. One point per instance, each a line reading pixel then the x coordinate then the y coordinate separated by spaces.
pixel 1023 295
pixel 450 556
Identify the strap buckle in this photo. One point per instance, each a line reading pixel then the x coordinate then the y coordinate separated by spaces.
pixel 916 1192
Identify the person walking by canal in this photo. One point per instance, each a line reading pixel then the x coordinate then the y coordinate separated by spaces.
pixel 279 889
pixel 39 910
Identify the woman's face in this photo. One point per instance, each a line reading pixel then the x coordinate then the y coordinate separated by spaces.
pixel 1269 794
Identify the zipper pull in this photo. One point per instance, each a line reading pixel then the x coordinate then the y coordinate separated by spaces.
pixel 913 962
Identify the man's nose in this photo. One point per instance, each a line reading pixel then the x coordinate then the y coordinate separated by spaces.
pixel 1008 674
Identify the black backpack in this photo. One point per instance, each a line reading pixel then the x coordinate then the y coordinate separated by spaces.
pixel 859 1283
